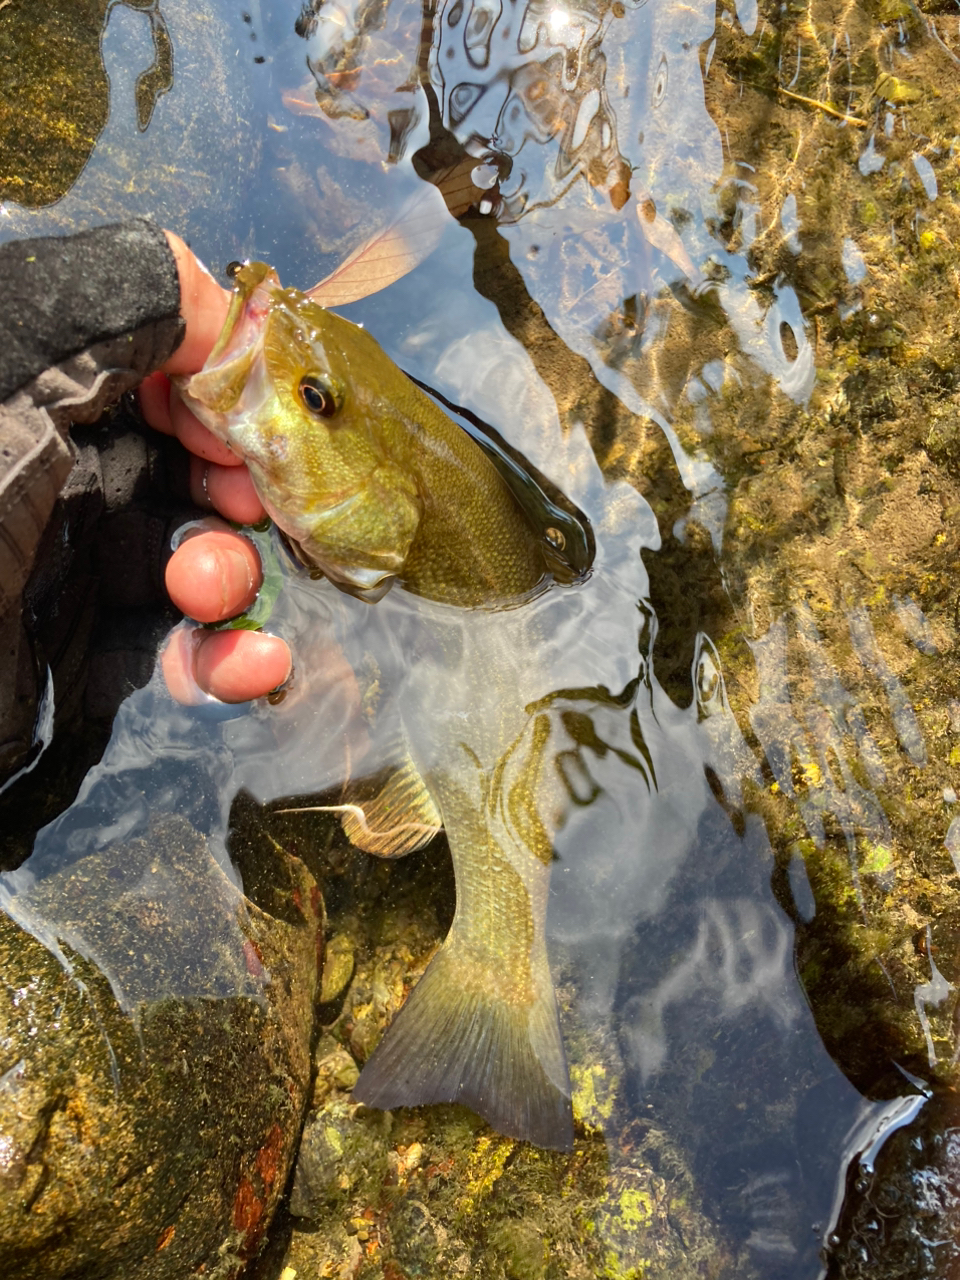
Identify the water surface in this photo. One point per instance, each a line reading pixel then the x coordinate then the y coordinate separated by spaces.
pixel 698 269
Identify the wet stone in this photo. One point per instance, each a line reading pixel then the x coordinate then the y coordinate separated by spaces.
pixel 900 1219
pixel 94 73
pixel 335 1068
pixel 339 1151
pixel 318 1170
pixel 426 1191
pixel 37 166
pixel 337 968
pixel 148 1133
pixel 943 441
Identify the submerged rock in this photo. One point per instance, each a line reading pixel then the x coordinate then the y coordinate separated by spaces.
pixel 150 1108
pixel 432 1190
pixel 117 110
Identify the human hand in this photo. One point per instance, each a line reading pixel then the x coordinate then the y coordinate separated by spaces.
pixel 215 573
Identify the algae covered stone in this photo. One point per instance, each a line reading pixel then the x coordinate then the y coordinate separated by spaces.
pixel 150 1111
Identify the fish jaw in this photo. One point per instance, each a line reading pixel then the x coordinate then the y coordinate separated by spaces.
pixel 386 500
pixel 352 512
pixel 228 376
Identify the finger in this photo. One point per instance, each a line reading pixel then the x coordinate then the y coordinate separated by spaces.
pixel 155 402
pixel 193 435
pixel 229 489
pixel 213 576
pixel 203 304
pixel 232 666
pixel 177 665
pixel 235 666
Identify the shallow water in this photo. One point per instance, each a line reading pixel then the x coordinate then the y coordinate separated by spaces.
pixel 703 280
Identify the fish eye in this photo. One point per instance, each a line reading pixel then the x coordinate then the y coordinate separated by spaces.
pixel 318 397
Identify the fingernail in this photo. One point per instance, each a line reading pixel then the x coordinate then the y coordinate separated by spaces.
pixel 236 579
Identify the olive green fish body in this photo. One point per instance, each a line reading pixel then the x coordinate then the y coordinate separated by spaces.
pixel 371 480
pixel 376 485
pixel 481 1026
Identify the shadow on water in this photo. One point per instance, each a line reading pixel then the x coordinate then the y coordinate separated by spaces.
pixel 697 271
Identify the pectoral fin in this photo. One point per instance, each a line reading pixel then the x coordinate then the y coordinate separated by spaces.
pixel 398 817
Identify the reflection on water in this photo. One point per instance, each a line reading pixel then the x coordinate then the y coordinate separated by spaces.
pixel 698 255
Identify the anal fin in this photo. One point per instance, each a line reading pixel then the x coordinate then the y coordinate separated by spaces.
pixel 392 817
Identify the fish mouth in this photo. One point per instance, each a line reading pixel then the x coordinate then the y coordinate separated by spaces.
pixel 219 385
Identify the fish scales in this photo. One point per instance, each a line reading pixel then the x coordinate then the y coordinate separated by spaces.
pixel 375 485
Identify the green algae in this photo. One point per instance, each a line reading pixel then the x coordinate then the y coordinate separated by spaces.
pixel 594 1094
pixel 53 98
pixel 848 501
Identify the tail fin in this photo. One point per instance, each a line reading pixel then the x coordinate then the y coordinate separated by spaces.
pixel 457 1041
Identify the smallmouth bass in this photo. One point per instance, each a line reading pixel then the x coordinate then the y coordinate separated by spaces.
pixel 372 483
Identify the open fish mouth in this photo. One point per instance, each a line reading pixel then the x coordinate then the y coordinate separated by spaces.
pixel 219 386
pixel 252 302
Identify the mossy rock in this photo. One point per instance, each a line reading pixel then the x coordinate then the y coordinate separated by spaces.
pixel 149 1133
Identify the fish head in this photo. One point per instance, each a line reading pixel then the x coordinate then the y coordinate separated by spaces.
pixel 294 391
